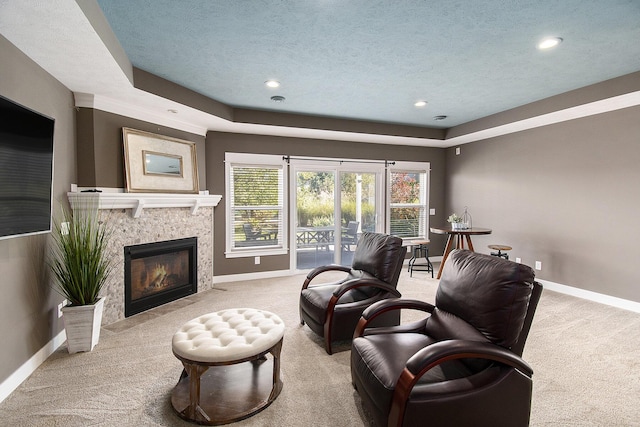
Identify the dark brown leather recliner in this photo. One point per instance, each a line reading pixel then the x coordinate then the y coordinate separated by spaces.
pixel 332 310
pixel 459 366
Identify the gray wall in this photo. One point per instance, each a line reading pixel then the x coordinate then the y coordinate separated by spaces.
pixel 28 307
pixel 565 194
pixel 218 143
pixel 100 148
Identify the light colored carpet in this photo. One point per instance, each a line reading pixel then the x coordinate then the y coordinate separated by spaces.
pixel 584 355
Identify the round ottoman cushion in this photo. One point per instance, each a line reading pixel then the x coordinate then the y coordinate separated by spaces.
pixel 228 335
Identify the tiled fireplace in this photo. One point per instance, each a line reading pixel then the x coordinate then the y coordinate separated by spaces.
pixel 159 272
pixel 139 219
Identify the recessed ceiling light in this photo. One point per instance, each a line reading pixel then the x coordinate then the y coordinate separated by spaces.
pixel 549 42
pixel 272 83
pixel 277 98
pixel 438 118
pixel 420 104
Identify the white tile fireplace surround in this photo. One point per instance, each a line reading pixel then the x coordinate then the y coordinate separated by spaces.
pixel 137 218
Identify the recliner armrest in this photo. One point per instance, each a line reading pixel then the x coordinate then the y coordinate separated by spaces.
pixel 322 269
pixel 434 354
pixel 442 351
pixel 380 307
pixel 359 283
pixel 341 290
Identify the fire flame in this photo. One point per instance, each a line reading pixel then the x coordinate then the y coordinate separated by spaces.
pixel 158 274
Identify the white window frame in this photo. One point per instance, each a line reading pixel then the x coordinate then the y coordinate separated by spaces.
pixel 411 167
pixel 254 160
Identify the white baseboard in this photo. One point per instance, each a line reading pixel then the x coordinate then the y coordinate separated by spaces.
pixel 552 286
pixel 277 273
pixel 14 380
pixel 582 293
pixel 252 276
pixel 592 296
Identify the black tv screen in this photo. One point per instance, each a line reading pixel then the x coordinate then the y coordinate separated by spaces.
pixel 26 170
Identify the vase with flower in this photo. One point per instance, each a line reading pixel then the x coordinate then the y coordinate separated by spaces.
pixel 456 221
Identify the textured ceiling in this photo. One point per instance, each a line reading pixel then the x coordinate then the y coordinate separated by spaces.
pixel 367 60
pixel 371 60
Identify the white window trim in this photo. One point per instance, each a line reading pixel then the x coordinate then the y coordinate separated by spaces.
pixel 400 166
pixel 253 160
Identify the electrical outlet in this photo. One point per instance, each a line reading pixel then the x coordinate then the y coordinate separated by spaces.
pixel 538 265
pixel 62 304
pixel 64 228
pixel 257 260
pixel 432 211
pixel 519 260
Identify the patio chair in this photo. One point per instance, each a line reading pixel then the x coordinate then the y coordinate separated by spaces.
pixel 350 235
pixel 251 234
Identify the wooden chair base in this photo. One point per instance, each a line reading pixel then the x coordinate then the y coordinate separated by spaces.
pixel 216 394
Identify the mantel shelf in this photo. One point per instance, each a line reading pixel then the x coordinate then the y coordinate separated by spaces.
pixel 137 202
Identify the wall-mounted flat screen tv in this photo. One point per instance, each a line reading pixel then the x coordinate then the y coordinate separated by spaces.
pixel 26 170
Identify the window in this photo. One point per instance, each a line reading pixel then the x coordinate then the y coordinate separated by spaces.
pixel 408 199
pixel 255 205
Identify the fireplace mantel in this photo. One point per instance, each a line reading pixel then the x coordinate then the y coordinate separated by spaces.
pixel 137 202
pixel 143 218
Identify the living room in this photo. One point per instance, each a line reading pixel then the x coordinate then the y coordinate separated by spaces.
pixel 555 179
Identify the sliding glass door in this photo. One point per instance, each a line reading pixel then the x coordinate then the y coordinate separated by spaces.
pixel 333 205
pixel 315 225
pixel 357 210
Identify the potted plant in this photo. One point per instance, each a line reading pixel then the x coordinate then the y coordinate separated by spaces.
pixel 456 221
pixel 80 267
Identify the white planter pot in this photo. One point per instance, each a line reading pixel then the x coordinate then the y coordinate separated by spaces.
pixel 82 325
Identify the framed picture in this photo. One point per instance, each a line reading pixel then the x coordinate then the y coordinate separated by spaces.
pixel 156 163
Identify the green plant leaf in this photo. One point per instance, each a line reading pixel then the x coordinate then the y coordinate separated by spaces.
pixel 79 260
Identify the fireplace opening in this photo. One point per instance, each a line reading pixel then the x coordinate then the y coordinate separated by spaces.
pixel 158 273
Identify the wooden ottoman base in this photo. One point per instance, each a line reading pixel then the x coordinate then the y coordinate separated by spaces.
pixel 226 392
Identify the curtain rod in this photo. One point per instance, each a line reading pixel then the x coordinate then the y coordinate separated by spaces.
pixel 324 159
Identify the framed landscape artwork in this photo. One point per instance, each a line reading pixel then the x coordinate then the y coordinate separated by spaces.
pixel 156 163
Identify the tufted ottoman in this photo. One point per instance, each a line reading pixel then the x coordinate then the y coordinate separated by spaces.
pixel 225 378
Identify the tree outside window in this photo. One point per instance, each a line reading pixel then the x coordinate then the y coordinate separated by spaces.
pixel 407 208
